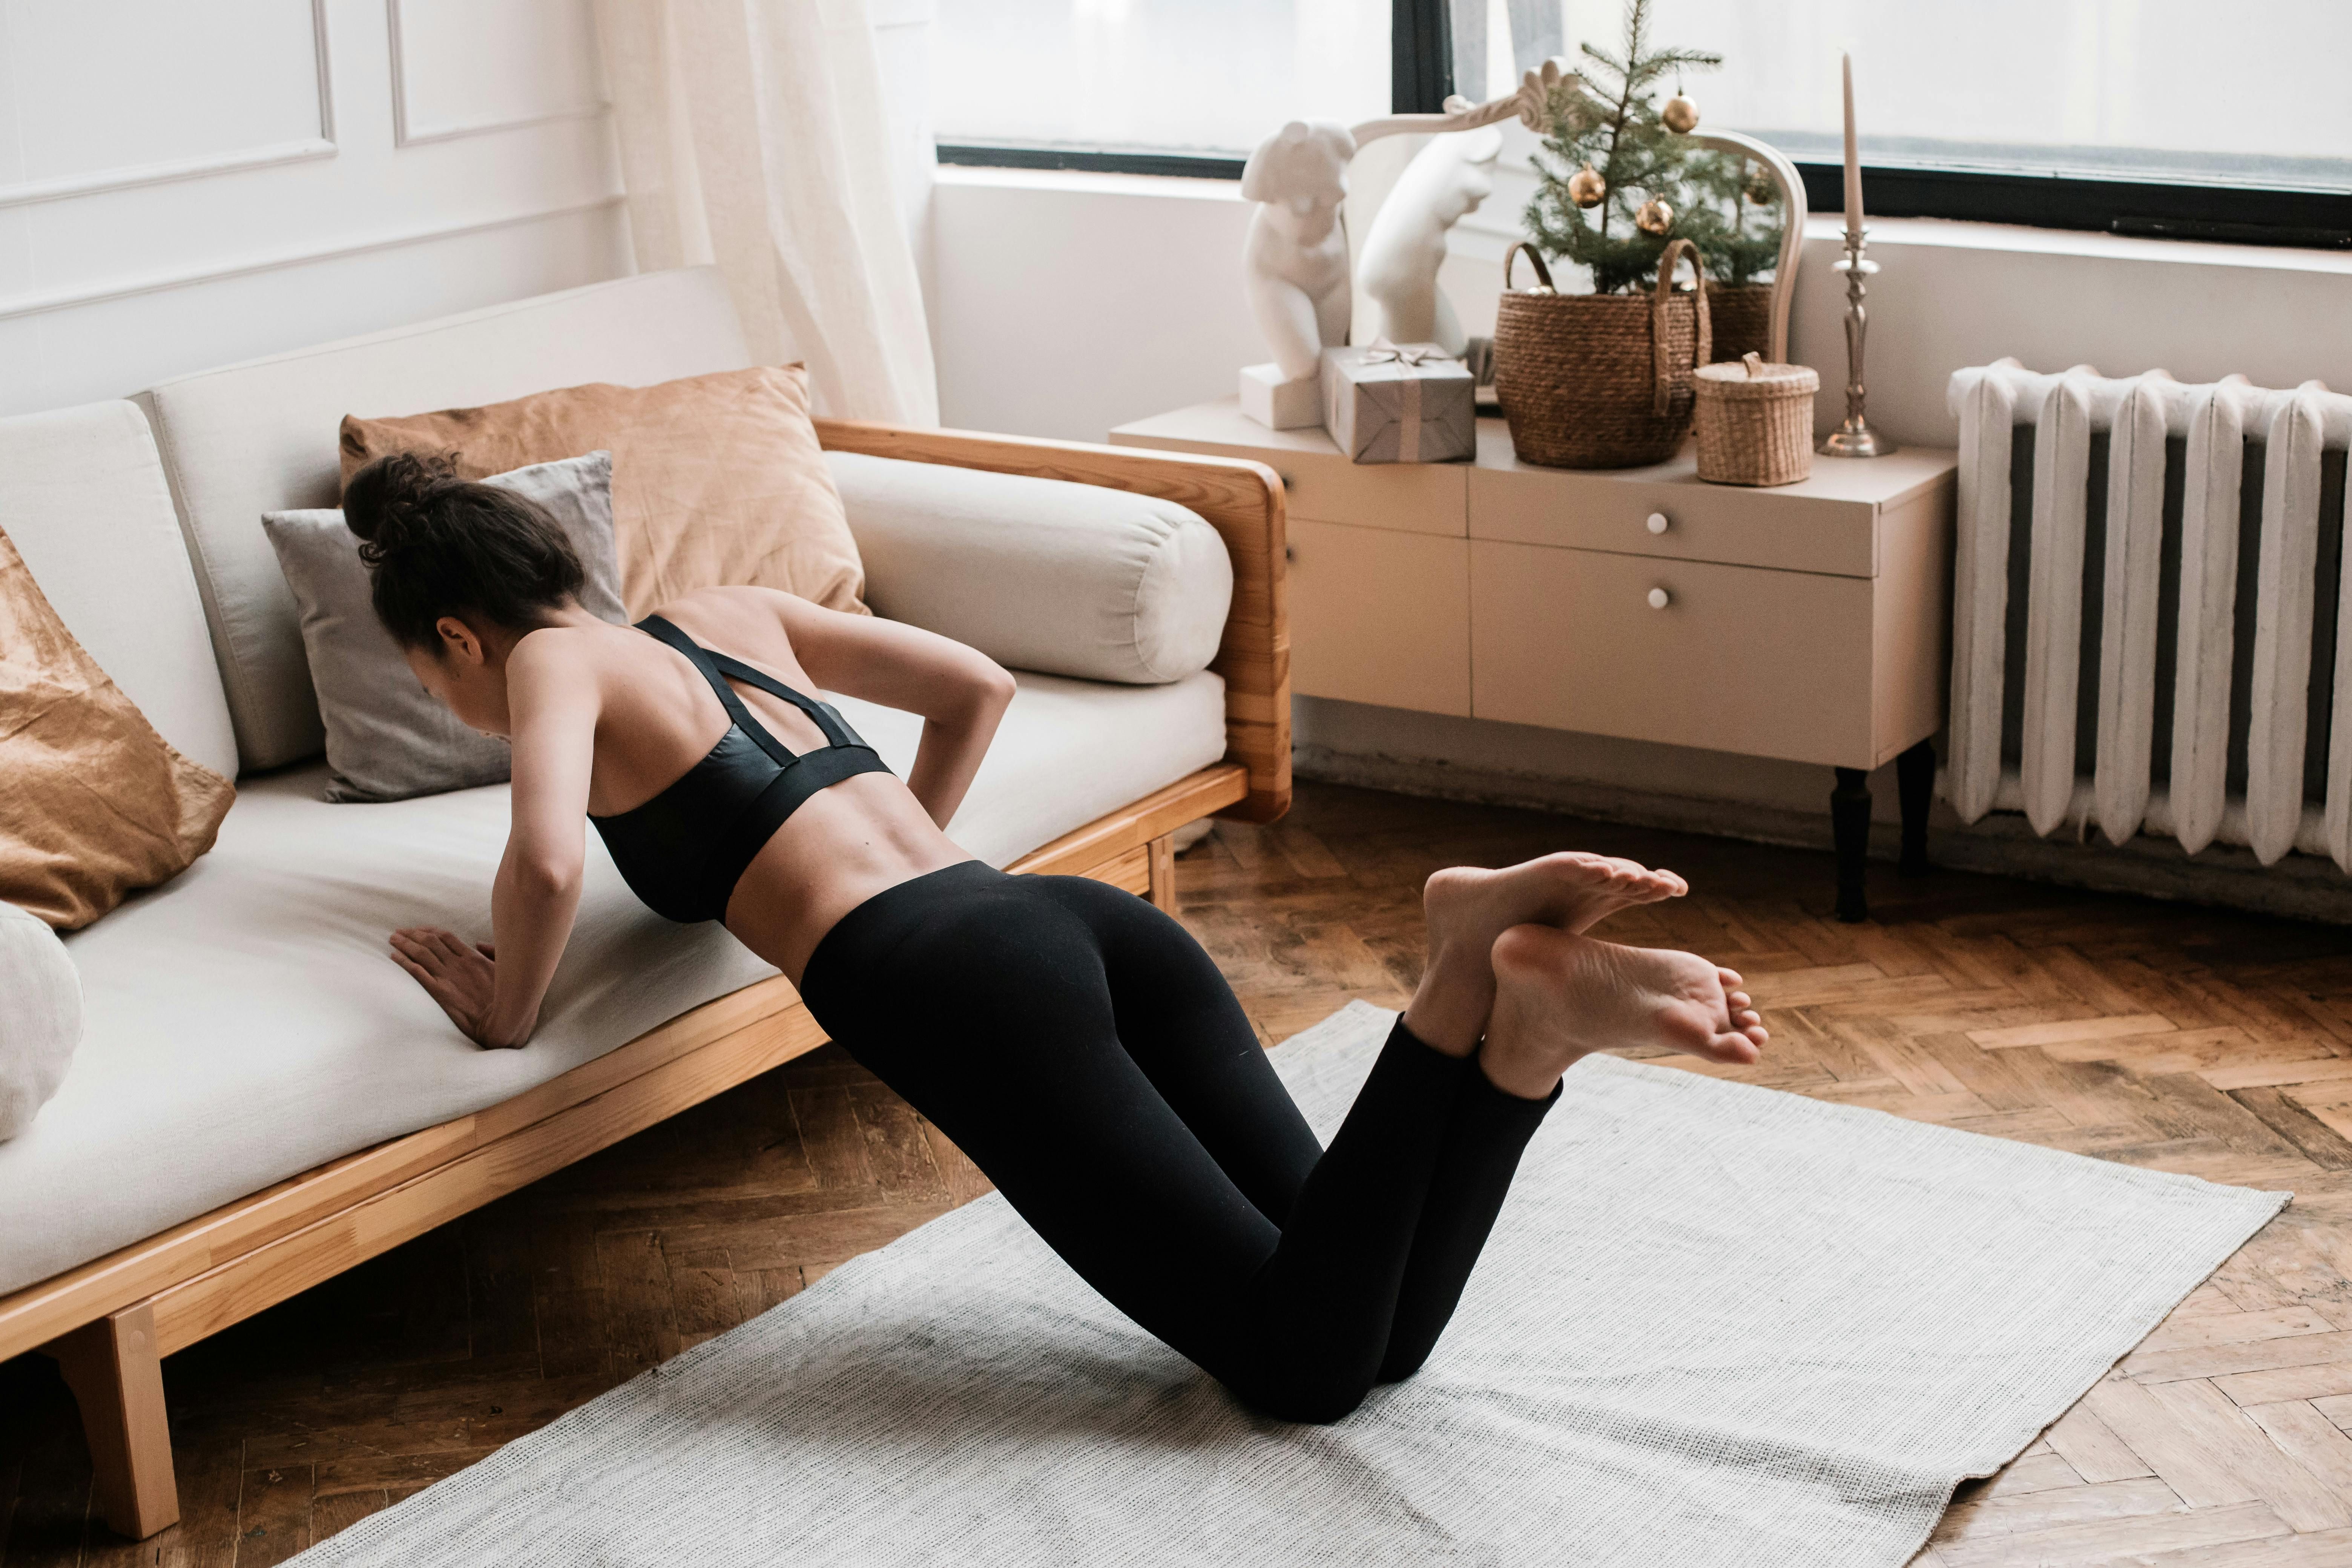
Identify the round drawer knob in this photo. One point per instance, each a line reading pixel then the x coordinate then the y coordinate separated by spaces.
pixel 1657 523
pixel 1660 598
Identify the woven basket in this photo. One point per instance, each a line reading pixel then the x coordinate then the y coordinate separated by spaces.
pixel 1742 314
pixel 1599 381
pixel 1756 422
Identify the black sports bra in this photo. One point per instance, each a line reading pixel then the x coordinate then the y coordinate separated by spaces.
pixel 684 850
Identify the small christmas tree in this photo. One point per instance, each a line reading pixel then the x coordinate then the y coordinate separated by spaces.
pixel 1614 153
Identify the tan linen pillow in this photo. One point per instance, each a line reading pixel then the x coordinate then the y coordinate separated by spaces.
pixel 93 802
pixel 716 478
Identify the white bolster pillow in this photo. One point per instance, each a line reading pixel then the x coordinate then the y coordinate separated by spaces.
pixel 40 1016
pixel 1040 574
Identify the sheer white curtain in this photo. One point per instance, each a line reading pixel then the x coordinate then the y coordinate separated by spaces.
pixel 754 135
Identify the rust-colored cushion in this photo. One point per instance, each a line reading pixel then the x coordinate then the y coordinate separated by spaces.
pixel 93 803
pixel 716 478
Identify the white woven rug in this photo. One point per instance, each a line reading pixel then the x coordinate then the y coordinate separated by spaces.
pixel 1717 1325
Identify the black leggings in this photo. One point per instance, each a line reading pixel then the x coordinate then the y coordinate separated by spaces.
pixel 1080 1047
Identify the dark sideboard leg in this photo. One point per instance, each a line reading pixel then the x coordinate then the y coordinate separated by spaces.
pixel 1850 826
pixel 1914 777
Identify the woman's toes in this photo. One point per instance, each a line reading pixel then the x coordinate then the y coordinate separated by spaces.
pixel 1739 1050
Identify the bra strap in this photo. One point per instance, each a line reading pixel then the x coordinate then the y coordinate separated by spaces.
pixel 824 715
pixel 742 840
pixel 667 632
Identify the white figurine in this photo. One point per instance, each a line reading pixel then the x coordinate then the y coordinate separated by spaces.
pixel 1445 181
pixel 1295 262
pixel 1295 266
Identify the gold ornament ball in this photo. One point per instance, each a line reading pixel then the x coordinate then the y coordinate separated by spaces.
pixel 1680 114
pixel 1654 217
pixel 1586 187
pixel 1762 189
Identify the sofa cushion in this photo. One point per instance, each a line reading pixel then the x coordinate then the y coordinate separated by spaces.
pixel 41 1024
pixel 245 1023
pixel 387 737
pixel 262 438
pixel 82 494
pixel 1040 573
pixel 93 802
pixel 716 478
pixel 1068 752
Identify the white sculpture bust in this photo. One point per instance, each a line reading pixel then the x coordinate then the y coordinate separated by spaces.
pixel 1295 265
pixel 1444 182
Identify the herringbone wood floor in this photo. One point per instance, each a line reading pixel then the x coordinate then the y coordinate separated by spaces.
pixel 2158 1035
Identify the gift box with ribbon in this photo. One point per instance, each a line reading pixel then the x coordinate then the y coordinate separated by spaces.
pixel 1400 403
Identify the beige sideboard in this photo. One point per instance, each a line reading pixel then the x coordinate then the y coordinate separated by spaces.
pixel 1806 623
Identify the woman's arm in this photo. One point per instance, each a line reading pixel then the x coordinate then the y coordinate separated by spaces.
pixel 493 993
pixel 960 693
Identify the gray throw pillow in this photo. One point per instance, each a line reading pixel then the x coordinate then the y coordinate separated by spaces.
pixel 387 738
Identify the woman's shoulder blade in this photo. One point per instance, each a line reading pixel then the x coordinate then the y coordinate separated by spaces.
pixel 722 600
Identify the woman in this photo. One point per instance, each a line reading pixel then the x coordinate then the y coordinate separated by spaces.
pixel 1072 1039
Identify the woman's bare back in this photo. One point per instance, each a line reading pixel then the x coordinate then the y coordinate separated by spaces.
pixel 656 716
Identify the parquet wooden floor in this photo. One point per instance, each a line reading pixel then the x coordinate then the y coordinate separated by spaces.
pixel 2157 1035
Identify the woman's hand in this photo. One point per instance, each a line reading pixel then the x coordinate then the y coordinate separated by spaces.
pixel 462 978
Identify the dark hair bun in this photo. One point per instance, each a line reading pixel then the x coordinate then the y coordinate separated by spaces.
pixel 385 504
pixel 436 545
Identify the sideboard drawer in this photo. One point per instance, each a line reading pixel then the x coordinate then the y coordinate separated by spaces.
pixel 1414 498
pixel 1836 521
pixel 1380 616
pixel 1681 521
pixel 1318 481
pixel 1764 663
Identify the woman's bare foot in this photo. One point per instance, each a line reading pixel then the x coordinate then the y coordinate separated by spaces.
pixel 1559 997
pixel 1468 907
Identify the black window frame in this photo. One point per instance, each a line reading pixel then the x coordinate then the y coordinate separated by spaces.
pixel 1422 74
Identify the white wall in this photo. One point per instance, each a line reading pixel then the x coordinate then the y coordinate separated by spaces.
pixel 1073 303
pixel 185 186
pixel 1070 304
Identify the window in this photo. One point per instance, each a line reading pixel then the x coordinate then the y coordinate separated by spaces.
pixel 1197 78
pixel 2142 89
pixel 2163 117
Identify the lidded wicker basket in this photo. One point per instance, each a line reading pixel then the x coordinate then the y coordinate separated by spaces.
pixel 1755 422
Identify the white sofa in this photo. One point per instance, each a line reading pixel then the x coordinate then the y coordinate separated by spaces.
pixel 261 1097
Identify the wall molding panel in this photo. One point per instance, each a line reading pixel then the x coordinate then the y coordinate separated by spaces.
pixel 164 171
pixel 406 129
pixel 34 304
pixel 178 207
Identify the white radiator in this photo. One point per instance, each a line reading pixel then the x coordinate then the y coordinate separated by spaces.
pixel 2245 668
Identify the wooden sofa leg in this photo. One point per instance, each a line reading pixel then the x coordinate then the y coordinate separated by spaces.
pixel 1164 872
pixel 117 1378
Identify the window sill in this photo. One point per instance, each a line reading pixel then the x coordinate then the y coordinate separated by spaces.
pixel 2018 240
pixel 1173 187
pixel 1826 229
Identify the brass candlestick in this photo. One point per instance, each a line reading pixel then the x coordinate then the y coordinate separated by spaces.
pixel 1854 438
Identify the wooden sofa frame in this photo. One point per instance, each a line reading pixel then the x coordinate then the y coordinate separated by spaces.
pixel 110 1321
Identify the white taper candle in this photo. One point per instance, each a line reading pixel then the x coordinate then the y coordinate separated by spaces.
pixel 1853 158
